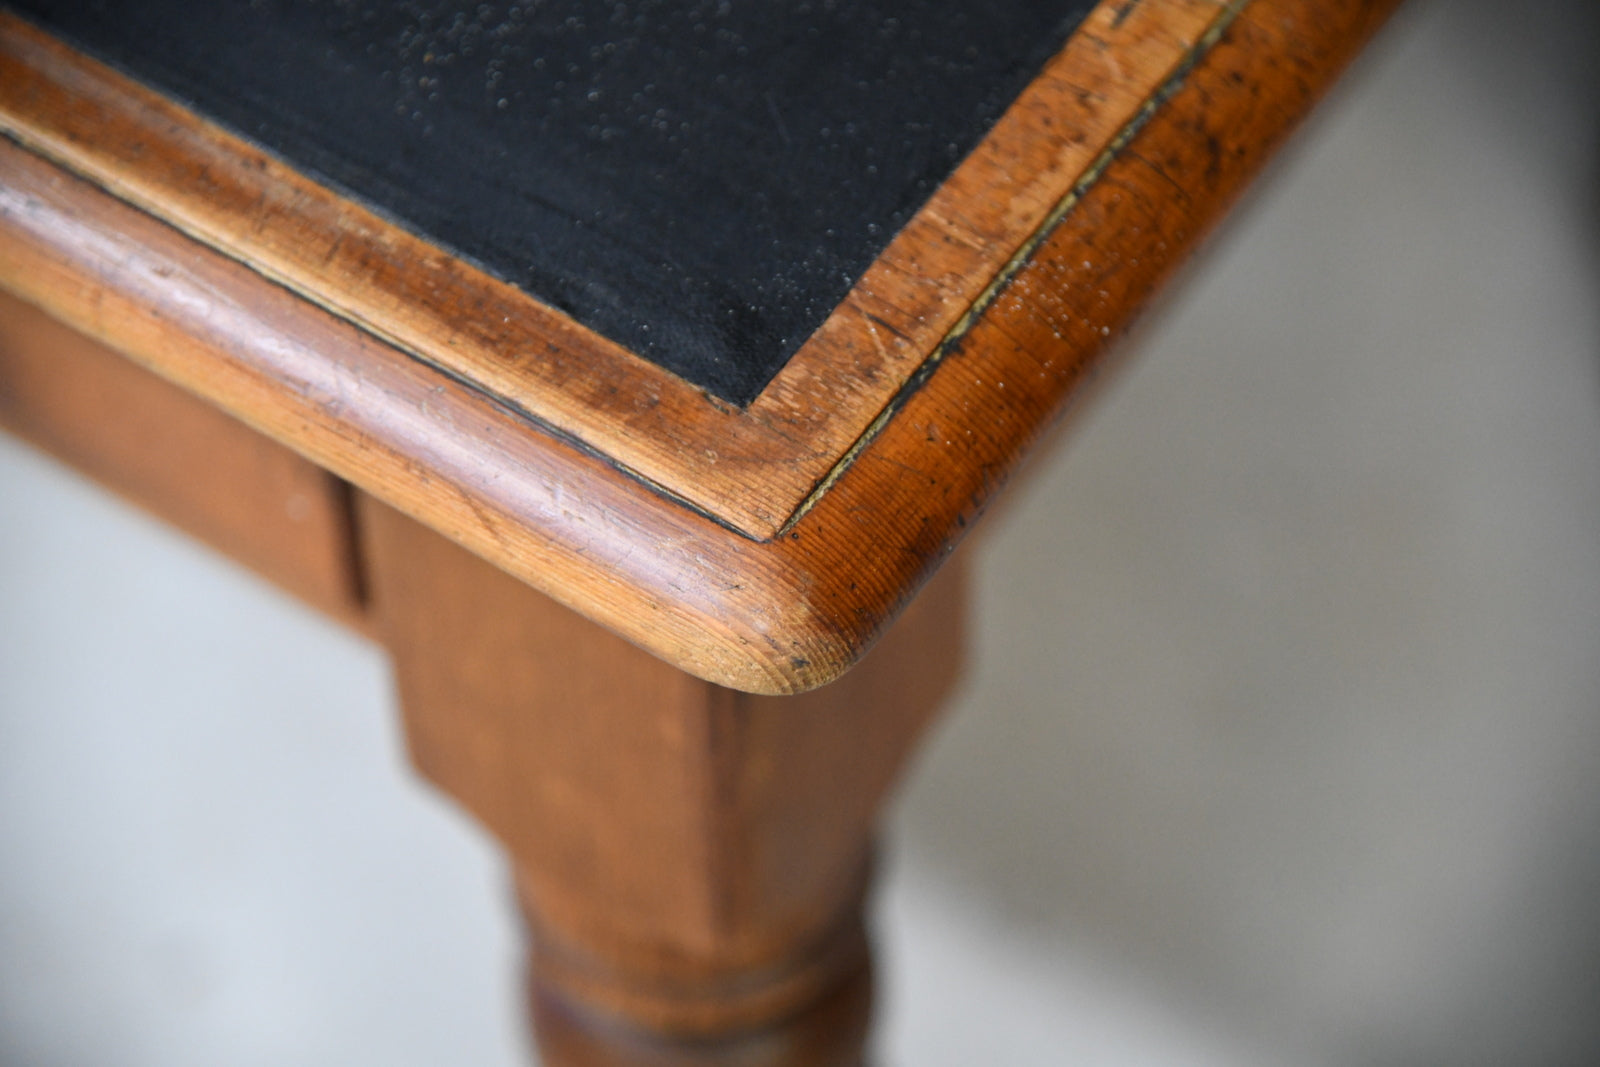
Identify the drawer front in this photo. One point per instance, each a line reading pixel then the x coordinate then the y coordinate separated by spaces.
pixel 180 458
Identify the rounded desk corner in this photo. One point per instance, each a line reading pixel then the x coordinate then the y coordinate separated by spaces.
pixel 774 630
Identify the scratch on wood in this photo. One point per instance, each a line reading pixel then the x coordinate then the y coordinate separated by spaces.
pixel 877 342
pixel 1162 174
pixel 1123 12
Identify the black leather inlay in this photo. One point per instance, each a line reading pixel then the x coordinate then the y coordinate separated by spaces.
pixel 701 181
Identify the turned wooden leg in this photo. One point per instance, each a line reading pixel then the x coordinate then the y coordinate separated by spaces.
pixel 692 861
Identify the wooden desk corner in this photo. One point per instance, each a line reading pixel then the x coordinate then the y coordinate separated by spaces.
pixel 604 565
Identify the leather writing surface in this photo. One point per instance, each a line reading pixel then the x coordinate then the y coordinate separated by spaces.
pixel 701 181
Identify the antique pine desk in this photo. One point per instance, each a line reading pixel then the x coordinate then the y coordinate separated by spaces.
pixel 625 369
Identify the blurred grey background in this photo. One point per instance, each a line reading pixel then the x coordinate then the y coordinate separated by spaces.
pixel 1279 743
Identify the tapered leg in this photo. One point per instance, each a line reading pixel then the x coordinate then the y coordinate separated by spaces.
pixel 692 861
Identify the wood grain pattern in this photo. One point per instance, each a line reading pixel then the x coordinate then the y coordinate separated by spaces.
pixel 179 458
pixel 691 859
pixel 767 616
pixel 751 468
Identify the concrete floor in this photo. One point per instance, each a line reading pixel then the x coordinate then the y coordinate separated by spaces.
pixel 1279 744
